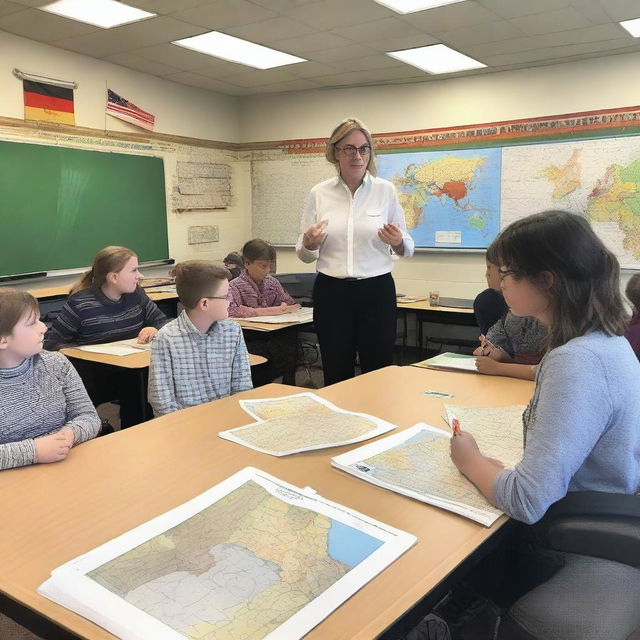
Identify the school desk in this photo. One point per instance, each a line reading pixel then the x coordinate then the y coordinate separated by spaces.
pixel 55 512
pixel 136 364
pixel 424 312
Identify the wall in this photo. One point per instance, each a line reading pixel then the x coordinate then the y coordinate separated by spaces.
pixel 180 110
pixel 578 86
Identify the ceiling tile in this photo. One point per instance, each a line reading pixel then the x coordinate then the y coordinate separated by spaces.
pixel 592 10
pixel 293 85
pixel 282 6
pixel 376 30
pixel 311 42
pixel 173 55
pixel 357 78
pixel 403 42
pixel 130 36
pixel 224 14
pixel 32 3
pixel 163 7
pixel 218 68
pixel 43 26
pixel 332 14
pixel 10 7
pixel 312 69
pixel 271 30
pixel 195 80
pixel 342 53
pixel 513 8
pixel 551 21
pixel 141 64
pixel 380 61
pixel 486 32
pixel 259 77
pixel 447 18
pixel 619 10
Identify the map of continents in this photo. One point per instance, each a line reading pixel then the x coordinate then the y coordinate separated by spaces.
pixel 450 198
pixel 238 569
pixel 599 179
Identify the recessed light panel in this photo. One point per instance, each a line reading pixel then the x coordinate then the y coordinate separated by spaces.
pixel 101 13
pixel 411 6
pixel 437 58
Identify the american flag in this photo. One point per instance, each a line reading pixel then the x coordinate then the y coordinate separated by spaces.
pixel 118 107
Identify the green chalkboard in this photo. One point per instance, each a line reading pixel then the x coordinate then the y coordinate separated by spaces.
pixel 59 206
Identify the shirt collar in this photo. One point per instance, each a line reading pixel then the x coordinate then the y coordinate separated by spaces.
pixel 366 180
pixel 188 326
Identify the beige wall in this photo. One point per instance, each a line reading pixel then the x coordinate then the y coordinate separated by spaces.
pixel 578 86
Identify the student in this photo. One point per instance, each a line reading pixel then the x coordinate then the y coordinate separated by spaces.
pixel 199 356
pixel 513 347
pixel 582 426
pixel 44 409
pixel 234 263
pixel 256 293
pixel 489 305
pixel 107 304
pixel 632 292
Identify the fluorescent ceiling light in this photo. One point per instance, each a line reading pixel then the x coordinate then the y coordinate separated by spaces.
pixel 436 58
pixel 233 49
pixel 101 13
pixel 411 6
pixel 632 26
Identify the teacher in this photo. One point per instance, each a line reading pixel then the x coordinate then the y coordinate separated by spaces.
pixel 353 225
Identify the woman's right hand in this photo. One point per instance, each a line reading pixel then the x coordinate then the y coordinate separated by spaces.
pixel 314 235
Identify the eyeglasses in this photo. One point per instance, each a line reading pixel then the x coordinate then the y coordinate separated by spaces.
pixel 350 151
pixel 507 272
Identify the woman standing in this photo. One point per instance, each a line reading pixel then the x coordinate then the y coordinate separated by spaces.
pixel 353 225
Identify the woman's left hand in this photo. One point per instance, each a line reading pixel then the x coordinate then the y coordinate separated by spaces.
pixel 147 334
pixel 392 235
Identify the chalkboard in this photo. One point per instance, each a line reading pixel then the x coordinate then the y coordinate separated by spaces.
pixel 59 206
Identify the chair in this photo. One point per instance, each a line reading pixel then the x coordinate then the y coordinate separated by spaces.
pixel 596 595
pixel 299 286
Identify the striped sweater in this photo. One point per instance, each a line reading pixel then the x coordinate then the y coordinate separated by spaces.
pixel 89 317
pixel 40 396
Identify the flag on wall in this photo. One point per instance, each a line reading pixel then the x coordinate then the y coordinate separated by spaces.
pixel 118 107
pixel 48 102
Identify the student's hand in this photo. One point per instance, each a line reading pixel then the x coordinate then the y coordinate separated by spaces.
pixel 147 334
pixel 52 448
pixel 496 463
pixel 390 234
pixel 292 307
pixel 485 348
pixel 69 434
pixel 488 366
pixel 464 451
pixel 314 235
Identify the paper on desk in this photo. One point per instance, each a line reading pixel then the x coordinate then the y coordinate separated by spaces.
pixel 456 361
pixel 214 567
pixel 304 314
pixel 302 422
pixel 118 348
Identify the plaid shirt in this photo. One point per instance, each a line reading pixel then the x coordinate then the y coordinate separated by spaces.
pixel 247 296
pixel 189 367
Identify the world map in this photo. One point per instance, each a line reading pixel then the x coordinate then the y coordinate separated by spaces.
pixel 237 569
pixel 449 198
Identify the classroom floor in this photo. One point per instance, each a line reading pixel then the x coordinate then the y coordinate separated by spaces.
pixel 9 630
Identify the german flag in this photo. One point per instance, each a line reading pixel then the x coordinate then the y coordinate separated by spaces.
pixel 48 102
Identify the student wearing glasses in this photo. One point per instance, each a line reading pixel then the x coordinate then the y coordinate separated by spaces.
pixel 353 226
pixel 200 356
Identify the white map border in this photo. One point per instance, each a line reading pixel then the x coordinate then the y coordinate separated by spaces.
pixel 70 587
pixel 382 425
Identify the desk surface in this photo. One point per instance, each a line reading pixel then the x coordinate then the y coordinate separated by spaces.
pixel 423 305
pixel 138 360
pixel 107 486
pixel 268 326
pixel 57 292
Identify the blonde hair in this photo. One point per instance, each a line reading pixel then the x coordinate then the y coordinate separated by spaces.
pixel 197 279
pixel 14 304
pixel 107 260
pixel 344 128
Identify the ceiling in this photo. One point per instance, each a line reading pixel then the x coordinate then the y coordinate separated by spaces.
pixel 344 40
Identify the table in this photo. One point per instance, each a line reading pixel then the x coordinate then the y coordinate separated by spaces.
pixel 426 313
pixel 52 513
pixel 137 363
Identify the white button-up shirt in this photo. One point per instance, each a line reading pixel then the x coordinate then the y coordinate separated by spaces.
pixel 352 248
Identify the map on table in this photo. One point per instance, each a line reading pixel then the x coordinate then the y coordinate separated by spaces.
pixel 452 361
pixel 251 558
pixel 416 462
pixel 302 422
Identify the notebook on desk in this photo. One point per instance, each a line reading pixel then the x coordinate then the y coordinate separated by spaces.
pixel 456 303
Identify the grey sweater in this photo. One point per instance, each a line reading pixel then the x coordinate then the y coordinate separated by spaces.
pixel 581 428
pixel 38 397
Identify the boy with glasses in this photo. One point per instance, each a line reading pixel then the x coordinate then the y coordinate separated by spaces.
pixel 199 356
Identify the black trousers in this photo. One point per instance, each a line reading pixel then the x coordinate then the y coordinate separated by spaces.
pixel 354 317
pixel 281 350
